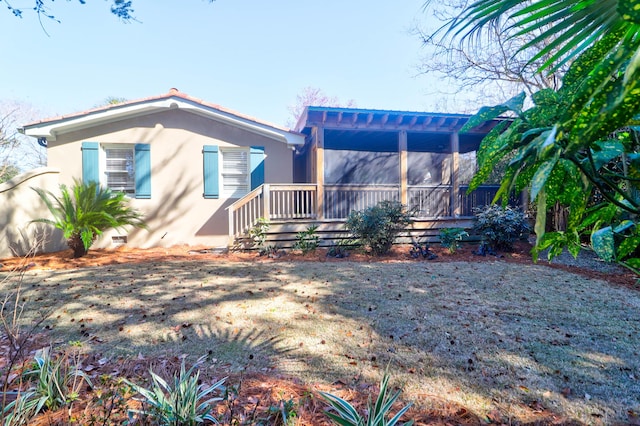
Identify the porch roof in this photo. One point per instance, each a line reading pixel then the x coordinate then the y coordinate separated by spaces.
pixel 376 119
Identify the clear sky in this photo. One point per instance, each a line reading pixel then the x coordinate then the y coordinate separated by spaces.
pixel 253 56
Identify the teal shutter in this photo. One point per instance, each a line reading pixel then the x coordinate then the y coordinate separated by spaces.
pixel 256 165
pixel 143 170
pixel 90 162
pixel 210 170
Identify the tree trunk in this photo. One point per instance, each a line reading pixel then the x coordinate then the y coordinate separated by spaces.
pixel 75 243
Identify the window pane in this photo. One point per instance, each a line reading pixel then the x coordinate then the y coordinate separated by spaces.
pixel 235 173
pixel 120 169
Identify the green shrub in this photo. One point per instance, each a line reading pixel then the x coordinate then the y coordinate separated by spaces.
pixel 307 240
pixel 499 227
pixel 85 210
pixel 450 238
pixel 376 414
pixel 258 233
pixel 376 227
pixel 181 403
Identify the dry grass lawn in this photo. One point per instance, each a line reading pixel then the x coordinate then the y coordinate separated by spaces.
pixel 490 336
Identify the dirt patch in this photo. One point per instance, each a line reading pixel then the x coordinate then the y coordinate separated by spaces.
pixel 586 265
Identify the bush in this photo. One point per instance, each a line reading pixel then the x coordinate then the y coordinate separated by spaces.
pixel 258 233
pixel 307 240
pixel 376 227
pixel 499 227
pixel 450 238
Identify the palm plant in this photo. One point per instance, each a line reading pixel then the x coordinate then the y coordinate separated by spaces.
pixel 85 211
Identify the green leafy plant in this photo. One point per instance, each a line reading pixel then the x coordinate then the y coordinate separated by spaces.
pixel 84 211
pixel 307 240
pixel 341 248
pixel 345 414
pixel 283 413
pixel 500 227
pixel 57 379
pixel 566 148
pixel 258 233
pixel 450 238
pixel 377 227
pixel 22 410
pixel 181 403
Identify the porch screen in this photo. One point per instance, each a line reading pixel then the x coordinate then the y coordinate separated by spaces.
pixel 361 167
pixel 428 168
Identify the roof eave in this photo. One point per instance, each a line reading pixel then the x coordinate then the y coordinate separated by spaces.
pixel 51 129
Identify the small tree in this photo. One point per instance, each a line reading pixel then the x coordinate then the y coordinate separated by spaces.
pixel 84 211
pixel 376 227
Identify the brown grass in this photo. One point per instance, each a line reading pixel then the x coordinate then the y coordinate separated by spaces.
pixel 507 341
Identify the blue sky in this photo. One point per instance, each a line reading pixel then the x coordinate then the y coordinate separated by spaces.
pixel 253 56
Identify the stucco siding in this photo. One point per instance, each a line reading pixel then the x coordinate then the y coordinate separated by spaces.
pixel 177 212
pixel 19 206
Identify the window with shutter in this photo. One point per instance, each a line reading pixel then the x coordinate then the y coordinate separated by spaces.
pixel 235 172
pixel 120 169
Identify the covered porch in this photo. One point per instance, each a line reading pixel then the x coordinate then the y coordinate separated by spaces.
pixel 353 159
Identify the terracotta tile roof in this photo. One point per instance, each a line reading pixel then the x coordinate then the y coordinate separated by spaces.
pixel 172 93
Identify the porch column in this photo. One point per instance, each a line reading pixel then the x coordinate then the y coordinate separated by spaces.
pixel 318 136
pixel 456 209
pixel 404 166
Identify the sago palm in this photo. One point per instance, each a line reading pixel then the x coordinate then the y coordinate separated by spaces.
pixel 85 210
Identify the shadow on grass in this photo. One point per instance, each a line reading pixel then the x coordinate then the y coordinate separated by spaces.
pixel 525 341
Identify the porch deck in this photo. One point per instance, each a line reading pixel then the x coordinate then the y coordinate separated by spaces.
pixel 290 208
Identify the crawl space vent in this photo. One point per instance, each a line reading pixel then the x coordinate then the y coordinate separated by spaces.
pixel 119 240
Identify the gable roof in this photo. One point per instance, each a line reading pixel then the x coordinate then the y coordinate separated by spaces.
pixel 174 99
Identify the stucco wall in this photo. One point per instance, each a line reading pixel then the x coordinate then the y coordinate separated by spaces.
pixel 19 205
pixel 177 213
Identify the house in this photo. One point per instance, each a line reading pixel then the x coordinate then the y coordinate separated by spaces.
pixel 202 174
pixel 182 161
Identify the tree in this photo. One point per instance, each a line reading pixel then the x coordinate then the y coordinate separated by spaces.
pixel 493 64
pixel 18 153
pixel 84 211
pixel 577 145
pixel 311 96
pixel 123 9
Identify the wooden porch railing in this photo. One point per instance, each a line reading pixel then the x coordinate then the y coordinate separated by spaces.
pixel 430 200
pixel 340 200
pixel 290 202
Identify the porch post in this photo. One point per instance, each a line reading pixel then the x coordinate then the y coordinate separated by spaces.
pixel 456 210
pixel 266 202
pixel 404 165
pixel 318 135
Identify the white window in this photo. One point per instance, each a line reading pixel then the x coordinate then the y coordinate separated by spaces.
pixel 235 176
pixel 119 168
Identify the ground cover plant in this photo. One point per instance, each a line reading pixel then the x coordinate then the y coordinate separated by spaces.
pixel 500 341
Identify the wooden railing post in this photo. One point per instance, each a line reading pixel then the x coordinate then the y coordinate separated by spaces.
pixel 232 232
pixel 455 175
pixel 266 202
pixel 319 144
pixel 404 165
